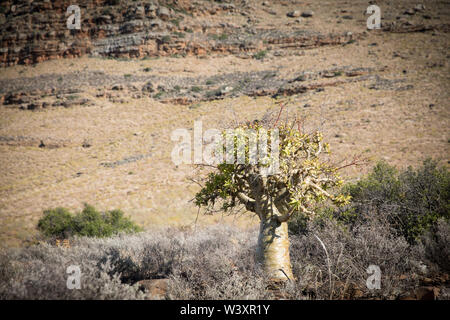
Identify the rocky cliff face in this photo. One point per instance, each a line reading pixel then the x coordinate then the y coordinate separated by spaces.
pixel 35 31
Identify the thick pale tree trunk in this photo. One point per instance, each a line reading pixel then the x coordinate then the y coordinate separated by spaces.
pixel 273 249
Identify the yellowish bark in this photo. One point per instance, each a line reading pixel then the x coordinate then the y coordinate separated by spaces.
pixel 273 249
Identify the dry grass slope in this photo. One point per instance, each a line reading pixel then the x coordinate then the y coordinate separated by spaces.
pixel 399 112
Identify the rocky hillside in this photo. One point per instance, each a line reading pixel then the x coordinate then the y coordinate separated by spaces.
pixel 86 115
pixel 35 31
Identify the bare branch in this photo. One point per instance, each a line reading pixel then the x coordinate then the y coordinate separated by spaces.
pixel 247 201
pixel 279 114
pixel 356 161
pixel 244 198
pixel 320 149
pixel 312 184
pixel 196 182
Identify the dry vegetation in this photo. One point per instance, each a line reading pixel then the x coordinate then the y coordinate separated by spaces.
pixel 218 263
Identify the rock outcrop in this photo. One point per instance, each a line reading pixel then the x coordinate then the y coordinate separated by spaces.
pixel 35 31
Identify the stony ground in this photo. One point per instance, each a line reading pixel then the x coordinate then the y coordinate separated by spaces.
pixel 96 128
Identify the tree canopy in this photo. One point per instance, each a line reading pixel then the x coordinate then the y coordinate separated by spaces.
pixel 302 178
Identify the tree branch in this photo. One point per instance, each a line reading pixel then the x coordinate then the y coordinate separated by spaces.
pixel 312 184
pixel 318 151
pixel 281 194
pixel 247 201
pixel 286 217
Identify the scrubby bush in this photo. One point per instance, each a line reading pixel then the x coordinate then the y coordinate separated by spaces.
pixel 60 223
pixel 337 269
pixel 329 255
pixel 436 245
pixel 412 201
pixel 56 223
pixel 260 55
pixel 396 220
pixel 39 272
pixel 209 264
pixel 216 262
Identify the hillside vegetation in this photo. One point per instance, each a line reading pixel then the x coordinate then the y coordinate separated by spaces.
pixel 218 262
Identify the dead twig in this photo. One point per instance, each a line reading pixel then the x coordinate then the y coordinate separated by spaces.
pixel 328 264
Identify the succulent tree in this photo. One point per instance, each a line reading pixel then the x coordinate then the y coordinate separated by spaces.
pixel 302 180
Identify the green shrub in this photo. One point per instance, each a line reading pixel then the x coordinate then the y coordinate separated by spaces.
pixel 196 89
pixel 412 200
pixel 260 55
pixel 158 95
pixel 179 34
pixel 381 186
pixel 221 37
pixel 165 39
pixel 56 223
pixel 175 22
pixel 72 97
pixel 61 224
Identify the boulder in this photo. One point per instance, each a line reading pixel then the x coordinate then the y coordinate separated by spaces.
pixel 419 7
pixel 163 13
pixel 226 90
pixel 148 87
pixel 307 14
pixel 294 14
